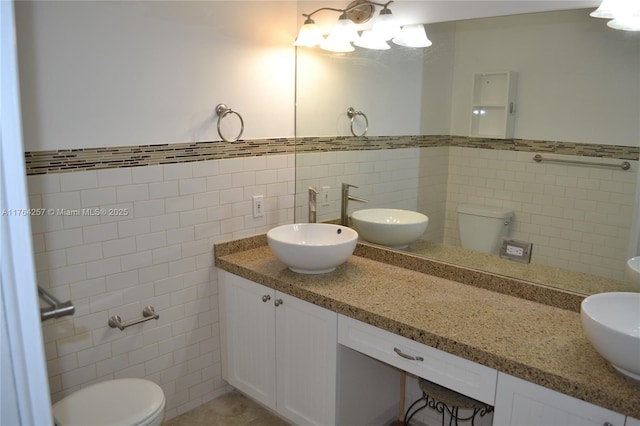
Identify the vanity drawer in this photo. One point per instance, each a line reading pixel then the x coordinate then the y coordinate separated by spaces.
pixel 453 372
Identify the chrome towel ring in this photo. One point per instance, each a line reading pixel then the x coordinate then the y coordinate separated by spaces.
pixel 352 113
pixel 222 111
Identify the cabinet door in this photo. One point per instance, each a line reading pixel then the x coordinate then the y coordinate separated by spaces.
pixel 519 402
pixel 632 422
pixel 247 325
pixel 306 340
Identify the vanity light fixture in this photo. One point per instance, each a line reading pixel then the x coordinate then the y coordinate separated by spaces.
pixel 385 24
pixel 344 35
pixel 372 40
pixel 413 36
pixel 623 14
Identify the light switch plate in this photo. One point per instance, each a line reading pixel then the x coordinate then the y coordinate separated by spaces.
pixel 324 195
pixel 258 206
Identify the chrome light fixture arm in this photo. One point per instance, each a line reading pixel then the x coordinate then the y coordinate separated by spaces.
pixel 356 5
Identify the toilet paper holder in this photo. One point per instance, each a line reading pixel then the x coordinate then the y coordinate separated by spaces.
pixel 148 313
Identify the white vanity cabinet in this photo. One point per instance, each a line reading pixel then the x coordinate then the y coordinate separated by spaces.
pixel 632 422
pixel 279 350
pixel 461 375
pixel 519 402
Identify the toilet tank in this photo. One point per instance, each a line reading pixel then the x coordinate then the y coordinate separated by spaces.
pixel 483 228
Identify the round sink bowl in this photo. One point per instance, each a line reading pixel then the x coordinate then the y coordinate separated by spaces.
pixel 389 227
pixel 312 248
pixel 633 272
pixel 611 322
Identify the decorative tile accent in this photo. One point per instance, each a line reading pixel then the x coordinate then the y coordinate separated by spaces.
pixel 70 160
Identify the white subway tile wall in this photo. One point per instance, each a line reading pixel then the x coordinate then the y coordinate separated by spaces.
pixel 153 245
pixel 150 242
pixel 577 217
pixel 386 178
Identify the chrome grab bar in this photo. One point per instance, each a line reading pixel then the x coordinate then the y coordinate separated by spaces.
pixel 148 313
pixel 625 165
pixel 56 308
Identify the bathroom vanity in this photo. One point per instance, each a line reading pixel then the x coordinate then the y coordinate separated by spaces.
pixel 292 342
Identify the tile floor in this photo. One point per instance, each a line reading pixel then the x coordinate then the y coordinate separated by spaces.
pixel 231 409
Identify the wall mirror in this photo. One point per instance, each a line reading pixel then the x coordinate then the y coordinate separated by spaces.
pixel 577 97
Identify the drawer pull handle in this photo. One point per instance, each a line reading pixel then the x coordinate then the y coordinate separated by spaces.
pixel 266 298
pixel 403 355
pixel 278 302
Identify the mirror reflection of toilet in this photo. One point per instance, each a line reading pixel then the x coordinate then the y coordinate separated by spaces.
pixel 483 228
pixel 124 402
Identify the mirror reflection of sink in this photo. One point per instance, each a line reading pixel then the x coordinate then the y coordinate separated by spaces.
pixel 633 272
pixel 611 322
pixel 389 227
pixel 312 248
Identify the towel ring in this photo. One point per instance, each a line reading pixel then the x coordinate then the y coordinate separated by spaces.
pixel 222 111
pixel 352 113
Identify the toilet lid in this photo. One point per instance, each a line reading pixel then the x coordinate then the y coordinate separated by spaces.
pixel 112 402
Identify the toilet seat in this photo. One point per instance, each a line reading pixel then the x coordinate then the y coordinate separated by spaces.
pixel 113 402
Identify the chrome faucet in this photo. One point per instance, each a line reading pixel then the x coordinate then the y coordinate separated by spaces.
pixel 344 218
pixel 312 204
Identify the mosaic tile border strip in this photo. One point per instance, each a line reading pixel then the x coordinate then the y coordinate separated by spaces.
pixel 345 143
pixel 70 160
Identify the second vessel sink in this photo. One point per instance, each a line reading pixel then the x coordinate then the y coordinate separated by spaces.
pixel 611 322
pixel 389 227
pixel 312 248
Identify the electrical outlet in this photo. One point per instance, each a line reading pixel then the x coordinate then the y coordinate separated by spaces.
pixel 258 206
pixel 324 195
pixel 520 251
pixel 514 251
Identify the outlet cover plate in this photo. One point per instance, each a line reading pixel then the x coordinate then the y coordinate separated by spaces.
pixel 258 206
pixel 324 195
pixel 520 251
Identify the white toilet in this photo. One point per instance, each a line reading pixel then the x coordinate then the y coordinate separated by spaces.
pixel 483 228
pixel 124 402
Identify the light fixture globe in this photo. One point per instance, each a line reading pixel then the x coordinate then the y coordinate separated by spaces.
pixel 413 36
pixel 605 10
pixel 386 25
pixel 309 35
pixel 371 40
pixel 626 16
pixel 341 35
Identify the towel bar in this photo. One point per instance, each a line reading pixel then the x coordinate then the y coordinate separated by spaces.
pixel 148 313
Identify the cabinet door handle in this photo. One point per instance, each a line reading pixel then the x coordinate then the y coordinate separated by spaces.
pixel 266 298
pixel 278 302
pixel 403 355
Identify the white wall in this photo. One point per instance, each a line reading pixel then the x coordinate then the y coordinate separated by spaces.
pixel 577 79
pixel 111 73
pixel 101 74
pixel 155 250
pixel 384 85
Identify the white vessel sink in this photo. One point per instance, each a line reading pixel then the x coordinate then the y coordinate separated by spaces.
pixel 633 272
pixel 611 322
pixel 312 248
pixel 389 227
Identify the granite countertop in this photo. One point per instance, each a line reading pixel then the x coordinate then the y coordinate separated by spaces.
pixel 531 340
